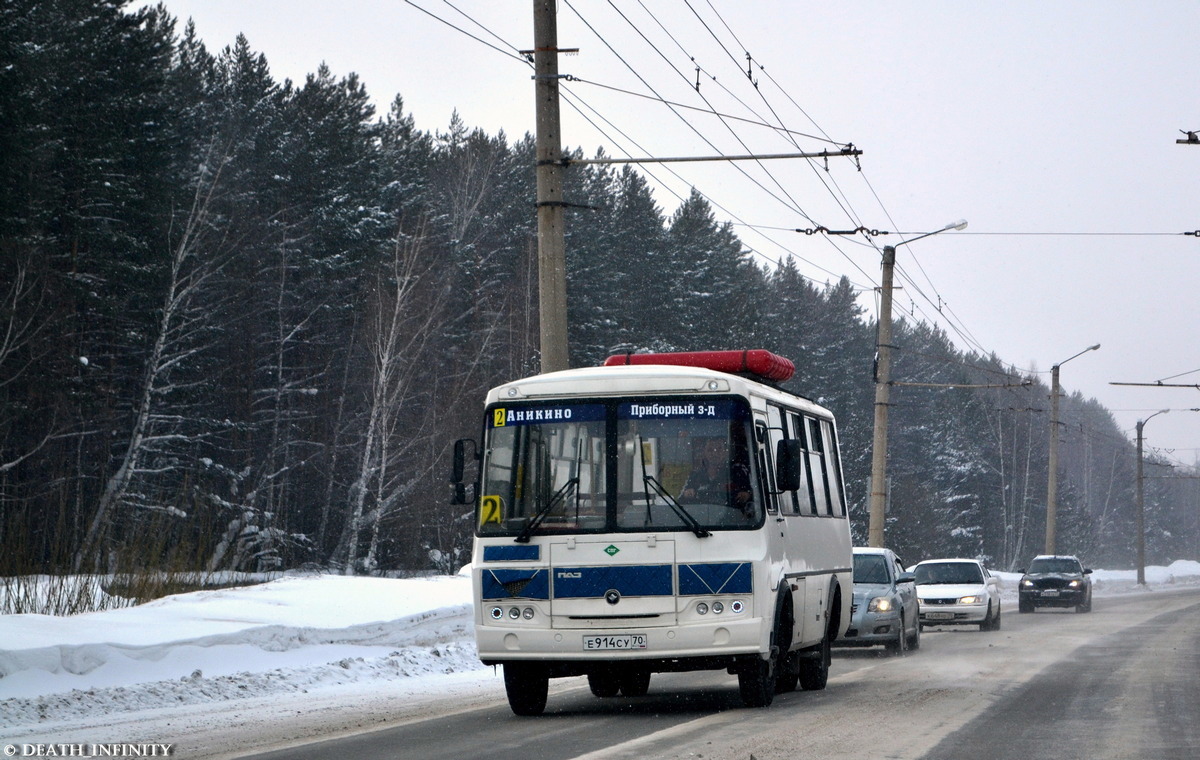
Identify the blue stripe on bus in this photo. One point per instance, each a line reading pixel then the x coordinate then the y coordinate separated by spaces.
pixel 512 553
pixel 515 584
pixel 630 580
pixel 715 578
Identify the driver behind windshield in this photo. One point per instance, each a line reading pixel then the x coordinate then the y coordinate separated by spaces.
pixel 713 480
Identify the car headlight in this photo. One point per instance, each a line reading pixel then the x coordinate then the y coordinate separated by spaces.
pixel 880 604
pixel 970 600
pixel 1026 583
pixel 1073 584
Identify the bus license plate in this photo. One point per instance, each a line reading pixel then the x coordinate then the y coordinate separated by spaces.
pixel 939 615
pixel 617 641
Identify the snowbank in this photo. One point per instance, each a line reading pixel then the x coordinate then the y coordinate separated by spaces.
pixel 288 635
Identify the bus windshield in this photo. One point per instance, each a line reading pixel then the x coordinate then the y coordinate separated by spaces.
pixel 672 464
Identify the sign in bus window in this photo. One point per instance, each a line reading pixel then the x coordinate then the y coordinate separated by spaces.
pixel 544 465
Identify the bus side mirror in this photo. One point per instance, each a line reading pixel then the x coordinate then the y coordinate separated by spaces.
pixel 787 464
pixel 458 494
pixel 459 466
pixel 460 462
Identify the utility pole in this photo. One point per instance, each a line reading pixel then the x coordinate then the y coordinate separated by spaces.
pixel 552 264
pixel 883 387
pixel 1052 474
pixel 883 392
pixel 1141 503
pixel 1141 511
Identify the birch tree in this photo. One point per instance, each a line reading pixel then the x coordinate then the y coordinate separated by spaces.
pixel 397 418
pixel 180 334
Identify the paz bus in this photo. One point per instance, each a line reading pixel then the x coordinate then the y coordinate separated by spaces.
pixel 660 513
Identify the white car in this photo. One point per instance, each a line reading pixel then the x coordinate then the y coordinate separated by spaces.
pixel 958 592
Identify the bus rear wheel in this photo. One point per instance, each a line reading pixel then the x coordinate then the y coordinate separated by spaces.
pixel 814 669
pixel 635 682
pixel 527 684
pixel 604 682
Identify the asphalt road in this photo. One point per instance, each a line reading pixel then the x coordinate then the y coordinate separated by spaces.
pixel 1119 682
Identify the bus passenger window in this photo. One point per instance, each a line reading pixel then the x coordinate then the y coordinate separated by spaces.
pixel 804 497
pixel 820 477
pixel 837 498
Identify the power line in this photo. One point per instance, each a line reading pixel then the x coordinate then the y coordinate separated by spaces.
pixel 568 96
pixel 465 32
pixel 709 111
pixel 793 205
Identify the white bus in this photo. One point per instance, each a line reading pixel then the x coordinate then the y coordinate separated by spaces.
pixel 662 513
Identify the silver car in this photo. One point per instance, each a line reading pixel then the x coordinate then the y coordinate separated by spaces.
pixel 885 608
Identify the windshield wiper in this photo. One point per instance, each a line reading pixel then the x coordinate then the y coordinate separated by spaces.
pixel 679 509
pixel 650 480
pixel 559 496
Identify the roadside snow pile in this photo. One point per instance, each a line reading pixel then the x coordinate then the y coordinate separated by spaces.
pixel 286 636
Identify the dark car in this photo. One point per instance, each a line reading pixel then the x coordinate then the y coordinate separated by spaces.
pixel 1055 581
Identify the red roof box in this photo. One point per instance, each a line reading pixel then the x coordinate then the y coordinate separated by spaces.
pixel 757 362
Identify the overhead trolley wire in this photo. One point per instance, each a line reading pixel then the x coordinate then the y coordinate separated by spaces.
pixel 794 204
pixel 480 40
pixel 571 97
pixel 787 133
pixel 577 107
pixel 839 196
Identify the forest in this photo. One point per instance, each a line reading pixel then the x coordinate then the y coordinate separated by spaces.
pixel 242 322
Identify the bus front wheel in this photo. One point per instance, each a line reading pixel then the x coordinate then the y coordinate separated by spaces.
pixel 527 684
pixel 756 682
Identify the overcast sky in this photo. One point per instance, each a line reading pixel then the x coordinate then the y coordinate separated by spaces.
pixel 1050 126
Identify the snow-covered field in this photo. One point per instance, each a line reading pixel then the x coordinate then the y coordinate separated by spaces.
pixel 281 646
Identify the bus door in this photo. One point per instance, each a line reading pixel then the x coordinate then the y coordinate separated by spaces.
pixel 782 523
pixel 766 433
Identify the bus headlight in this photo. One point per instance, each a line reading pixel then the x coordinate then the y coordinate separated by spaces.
pixel 737 606
pixel 527 613
pixel 718 608
pixel 702 608
pixel 497 613
pixel 514 613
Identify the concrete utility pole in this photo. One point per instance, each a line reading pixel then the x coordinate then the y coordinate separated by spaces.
pixel 1052 475
pixel 883 388
pixel 883 394
pixel 552 264
pixel 1141 503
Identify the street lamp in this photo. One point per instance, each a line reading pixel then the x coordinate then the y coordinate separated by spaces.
pixel 1141 503
pixel 883 387
pixel 1052 476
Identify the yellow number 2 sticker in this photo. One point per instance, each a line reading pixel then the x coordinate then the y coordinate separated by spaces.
pixel 489 510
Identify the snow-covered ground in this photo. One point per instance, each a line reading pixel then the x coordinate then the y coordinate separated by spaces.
pixel 280 645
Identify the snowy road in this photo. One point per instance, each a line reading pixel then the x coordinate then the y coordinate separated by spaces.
pixel 1116 683
pixel 387 668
